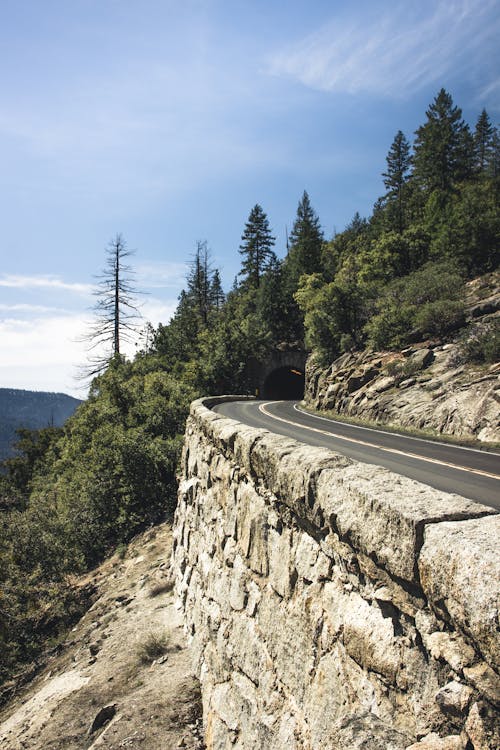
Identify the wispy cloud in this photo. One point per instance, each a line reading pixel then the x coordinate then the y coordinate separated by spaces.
pixel 156 311
pixel 393 52
pixel 12 281
pixel 29 309
pixel 44 349
pixel 42 353
pixel 161 274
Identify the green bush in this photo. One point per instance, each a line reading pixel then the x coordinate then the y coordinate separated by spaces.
pixel 482 345
pixel 426 302
pixel 439 316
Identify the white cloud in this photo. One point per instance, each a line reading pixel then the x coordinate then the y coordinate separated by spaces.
pixel 13 281
pixel 42 353
pixel 46 351
pixel 393 52
pixel 30 309
pixel 161 275
pixel 156 311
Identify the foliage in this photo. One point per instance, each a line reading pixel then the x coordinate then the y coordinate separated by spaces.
pixel 396 179
pixel 306 241
pixel 256 247
pixel 86 489
pixel 426 302
pixel 71 496
pixel 443 148
pixel 481 344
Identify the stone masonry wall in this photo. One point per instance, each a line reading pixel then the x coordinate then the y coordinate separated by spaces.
pixel 332 604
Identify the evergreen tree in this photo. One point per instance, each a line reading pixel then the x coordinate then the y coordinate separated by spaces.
pixel 483 142
pixel 256 247
pixel 306 243
pixel 217 295
pixel 199 281
pixel 116 313
pixel 443 146
pixel 396 178
pixel 494 158
pixel 273 304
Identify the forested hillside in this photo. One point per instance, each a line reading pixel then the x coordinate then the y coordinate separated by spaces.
pixel 395 277
pixel 31 410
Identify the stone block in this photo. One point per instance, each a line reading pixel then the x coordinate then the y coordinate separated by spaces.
pixel 369 637
pixel 458 564
pixel 383 514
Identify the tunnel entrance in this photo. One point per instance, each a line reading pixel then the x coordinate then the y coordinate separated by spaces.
pixel 284 383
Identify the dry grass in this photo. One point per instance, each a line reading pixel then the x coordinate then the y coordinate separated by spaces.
pixel 161 587
pixel 154 645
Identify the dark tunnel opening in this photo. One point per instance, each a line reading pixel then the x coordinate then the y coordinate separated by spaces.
pixel 284 383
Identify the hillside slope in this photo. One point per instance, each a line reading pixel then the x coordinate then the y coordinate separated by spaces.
pixel 122 678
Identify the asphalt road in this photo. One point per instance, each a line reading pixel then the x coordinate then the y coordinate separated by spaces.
pixel 471 473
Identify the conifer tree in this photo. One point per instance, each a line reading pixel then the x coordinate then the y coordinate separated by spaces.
pixel 217 295
pixel 494 158
pixel 199 281
pixel 443 146
pixel 396 178
pixel 116 313
pixel 305 244
pixel 256 248
pixel 483 142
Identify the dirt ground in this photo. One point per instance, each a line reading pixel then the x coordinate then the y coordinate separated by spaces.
pixel 123 677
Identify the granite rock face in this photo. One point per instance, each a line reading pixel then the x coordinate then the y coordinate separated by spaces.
pixel 324 609
pixel 426 386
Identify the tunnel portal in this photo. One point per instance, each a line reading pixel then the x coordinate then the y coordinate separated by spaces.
pixel 284 383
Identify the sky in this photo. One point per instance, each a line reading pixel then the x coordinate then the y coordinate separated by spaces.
pixel 168 121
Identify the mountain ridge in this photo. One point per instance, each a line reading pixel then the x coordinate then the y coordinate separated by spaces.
pixel 33 410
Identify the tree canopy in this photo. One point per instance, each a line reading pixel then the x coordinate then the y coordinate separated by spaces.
pixel 70 496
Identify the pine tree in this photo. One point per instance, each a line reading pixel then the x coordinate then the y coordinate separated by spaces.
pixel 396 178
pixel 116 313
pixel 443 146
pixel 494 158
pixel 483 142
pixel 199 281
pixel 217 296
pixel 305 244
pixel 256 247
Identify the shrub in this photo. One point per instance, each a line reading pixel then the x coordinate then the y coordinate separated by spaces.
pixel 154 645
pixel 481 344
pixel 440 316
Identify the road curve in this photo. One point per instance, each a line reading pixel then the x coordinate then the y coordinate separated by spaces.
pixel 471 473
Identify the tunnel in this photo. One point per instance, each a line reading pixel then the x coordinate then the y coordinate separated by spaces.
pixel 284 383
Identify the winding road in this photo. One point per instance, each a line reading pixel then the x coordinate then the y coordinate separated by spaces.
pixel 471 473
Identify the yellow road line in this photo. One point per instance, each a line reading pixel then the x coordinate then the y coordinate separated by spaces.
pixel 407 454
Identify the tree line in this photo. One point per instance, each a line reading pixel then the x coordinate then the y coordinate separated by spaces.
pixel 74 494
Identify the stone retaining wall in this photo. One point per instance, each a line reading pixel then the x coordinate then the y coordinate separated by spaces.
pixel 332 604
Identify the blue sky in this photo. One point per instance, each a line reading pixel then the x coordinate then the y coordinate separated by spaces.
pixel 168 121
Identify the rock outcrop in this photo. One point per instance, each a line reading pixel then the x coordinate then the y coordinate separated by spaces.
pixel 331 604
pixel 426 386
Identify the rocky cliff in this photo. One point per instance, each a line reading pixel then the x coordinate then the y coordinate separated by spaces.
pixel 426 386
pixel 331 604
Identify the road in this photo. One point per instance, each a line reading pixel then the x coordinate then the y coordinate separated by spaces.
pixel 471 473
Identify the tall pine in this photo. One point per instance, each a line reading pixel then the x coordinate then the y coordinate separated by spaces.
pixel 305 244
pixel 483 143
pixel 256 248
pixel 395 180
pixel 443 149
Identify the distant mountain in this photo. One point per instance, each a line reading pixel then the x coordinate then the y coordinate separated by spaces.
pixel 32 409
